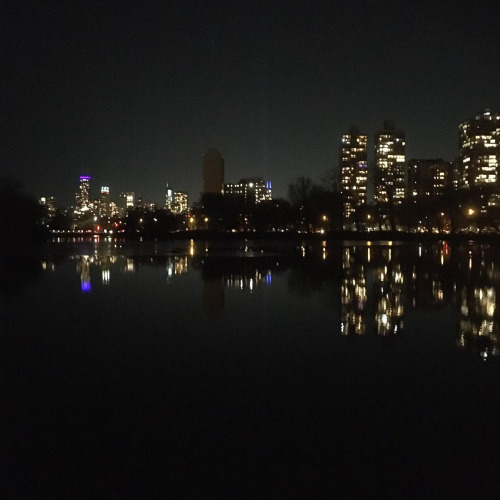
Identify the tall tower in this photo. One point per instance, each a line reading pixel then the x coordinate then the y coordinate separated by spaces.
pixel 390 158
pixel 353 171
pixel 169 197
pixel 480 149
pixel 83 195
pixel 103 202
pixel 213 172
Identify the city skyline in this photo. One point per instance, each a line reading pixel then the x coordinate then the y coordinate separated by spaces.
pixel 135 96
pixel 391 167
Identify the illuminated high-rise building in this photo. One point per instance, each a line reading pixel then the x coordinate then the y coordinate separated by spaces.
pixel 127 201
pixel 479 143
pixel 213 172
pixel 130 199
pixel 254 190
pixel 49 204
pixel 390 162
pixel 180 202
pixel 429 177
pixel 102 205
pixel 83 195
pixel 169 197
pixel 353 171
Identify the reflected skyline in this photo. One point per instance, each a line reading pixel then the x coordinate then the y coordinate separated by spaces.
pixel 377 284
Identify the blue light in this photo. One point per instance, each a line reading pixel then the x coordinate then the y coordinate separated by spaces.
pixel 268 184
pixel 268 279
pixel 86 286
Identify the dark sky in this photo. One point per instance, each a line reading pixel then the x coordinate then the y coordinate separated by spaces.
pixel 133 93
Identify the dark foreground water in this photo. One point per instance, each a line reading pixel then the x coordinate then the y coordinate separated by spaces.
pixel 197 369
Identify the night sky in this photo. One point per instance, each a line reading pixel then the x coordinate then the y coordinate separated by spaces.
pixel 133 93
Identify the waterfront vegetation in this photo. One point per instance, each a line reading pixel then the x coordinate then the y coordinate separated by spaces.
pixel 309 209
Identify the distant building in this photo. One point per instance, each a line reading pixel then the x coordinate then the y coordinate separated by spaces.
pixel 479 141
pixel 169 197
pixel 114 210
pixel 180 202
pixel 49 204
pixel 353 171
pixel 390 163
pixel 213 172
pixel 126 202
pixel 129 199
pixel 253 190
pixel 82 196
pixel 458 179
pixel 429 177
pixel 103 202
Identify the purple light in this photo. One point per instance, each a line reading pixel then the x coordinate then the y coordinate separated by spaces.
pixel 85 177
pixel 86 286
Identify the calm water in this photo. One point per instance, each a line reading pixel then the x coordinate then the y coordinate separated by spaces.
pixel 244 370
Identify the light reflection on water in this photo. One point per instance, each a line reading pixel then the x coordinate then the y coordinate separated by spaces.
pixel 376 283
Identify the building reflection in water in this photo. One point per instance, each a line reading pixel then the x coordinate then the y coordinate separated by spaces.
pixel 479 320
pixel 215 280
pixel 83 269
pixel 173 266
pixel 478 287
pixel 389 280
pixel 381 300
pixel 248 280
pixel 353 294
pixel 240 275
pixel 377 282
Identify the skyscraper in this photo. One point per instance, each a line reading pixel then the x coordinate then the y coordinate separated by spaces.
pixel 390 161
pixel 213 172
pixel 103 202
pixel 180 202
pixel 480 149
pixel 169 197
pixel 353 171
pixel 83 195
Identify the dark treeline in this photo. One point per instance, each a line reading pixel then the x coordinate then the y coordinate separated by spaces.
pixel 20 215
pixel 309 208
pixel 315 207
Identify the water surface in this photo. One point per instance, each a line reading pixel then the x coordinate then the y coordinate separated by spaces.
pixel 251 369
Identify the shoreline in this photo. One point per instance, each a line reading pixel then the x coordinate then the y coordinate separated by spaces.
pixel 293 236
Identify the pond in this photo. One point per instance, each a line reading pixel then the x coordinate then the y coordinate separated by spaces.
pixel 251 368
